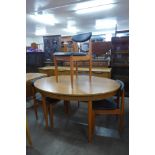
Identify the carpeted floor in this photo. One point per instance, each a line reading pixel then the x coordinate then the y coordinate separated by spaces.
pixel 69 136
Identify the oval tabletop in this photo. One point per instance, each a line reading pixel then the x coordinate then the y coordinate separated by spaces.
pixel 82 89
pixel 32 76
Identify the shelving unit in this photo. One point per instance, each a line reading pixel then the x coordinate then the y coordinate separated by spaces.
pixel 120 60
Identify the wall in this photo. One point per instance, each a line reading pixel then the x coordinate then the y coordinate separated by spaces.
pixel 38 40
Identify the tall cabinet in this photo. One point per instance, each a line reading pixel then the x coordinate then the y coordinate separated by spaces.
pixel 120 60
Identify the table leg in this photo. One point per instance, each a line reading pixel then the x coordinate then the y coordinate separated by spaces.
pixel 90 121
pixel 28 133
pixel 35 103
pixel 45 110
pixel 66 106
pixel 90 69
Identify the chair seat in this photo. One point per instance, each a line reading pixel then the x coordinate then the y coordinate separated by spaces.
pixel 70 54
pixel 48 99
pixel 105 104
pixel 51 100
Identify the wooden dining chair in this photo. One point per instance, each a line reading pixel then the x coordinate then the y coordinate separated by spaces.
pixel 50 102
pixel 75 56
pixel 110 106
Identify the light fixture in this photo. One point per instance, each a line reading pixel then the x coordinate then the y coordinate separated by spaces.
pixel 93 6
pixel 70 22
pixel 105 23
pixel 71 29
pixel 40 31
pixel 108 37
pixel 103 32
pixel 48 19
pixel 94 9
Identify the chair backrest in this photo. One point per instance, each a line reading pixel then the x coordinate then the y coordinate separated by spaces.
pixel 121 84
pixel 80 38
pixel 120 94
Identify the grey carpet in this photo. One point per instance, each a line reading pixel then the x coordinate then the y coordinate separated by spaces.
pixel 69 136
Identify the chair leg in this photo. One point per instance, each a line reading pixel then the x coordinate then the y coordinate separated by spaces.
pixel 78 104
pixel 66 107
pixel 28 133
pixel 51 115
pixel 90 121
pixel 71 70
pixel 93 122
pixel 122 113
pixel 90 69
pixel 35 103
pixel 56 69
pixel 121 123
pixel 44 107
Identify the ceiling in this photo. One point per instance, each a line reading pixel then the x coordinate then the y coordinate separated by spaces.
pixel 62 16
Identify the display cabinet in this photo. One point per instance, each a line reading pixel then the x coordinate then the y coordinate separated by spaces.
pixel 120 60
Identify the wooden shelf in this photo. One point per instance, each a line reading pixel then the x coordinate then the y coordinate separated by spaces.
pixel 120 65
pixel 120 60
pixel 120 52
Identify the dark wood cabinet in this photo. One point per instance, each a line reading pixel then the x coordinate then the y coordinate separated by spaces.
pixel 34 60
pixel 120 60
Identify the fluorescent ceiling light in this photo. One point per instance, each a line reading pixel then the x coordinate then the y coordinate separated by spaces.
pixel 98 33
pixel 70 23
pixel 44 18
pixel 103 32
pixel 121 34
pixel 105 23
pixel 94 9
pixel 40 31
pixel 71 29
pixel 108 37
pixel 94 3
pixel 93 6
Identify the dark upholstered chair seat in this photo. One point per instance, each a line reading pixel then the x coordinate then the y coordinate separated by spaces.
pixel 70 54
pixel 106 104
pixel 48 99
pixel 51 100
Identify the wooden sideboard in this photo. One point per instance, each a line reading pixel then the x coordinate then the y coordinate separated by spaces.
pixel 100 72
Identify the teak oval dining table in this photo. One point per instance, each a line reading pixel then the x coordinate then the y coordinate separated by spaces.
pixel 83 90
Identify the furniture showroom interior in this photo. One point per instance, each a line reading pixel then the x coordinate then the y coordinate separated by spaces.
pixel 77 77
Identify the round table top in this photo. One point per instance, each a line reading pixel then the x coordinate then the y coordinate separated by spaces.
pixel 83 89
pixel 31 76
